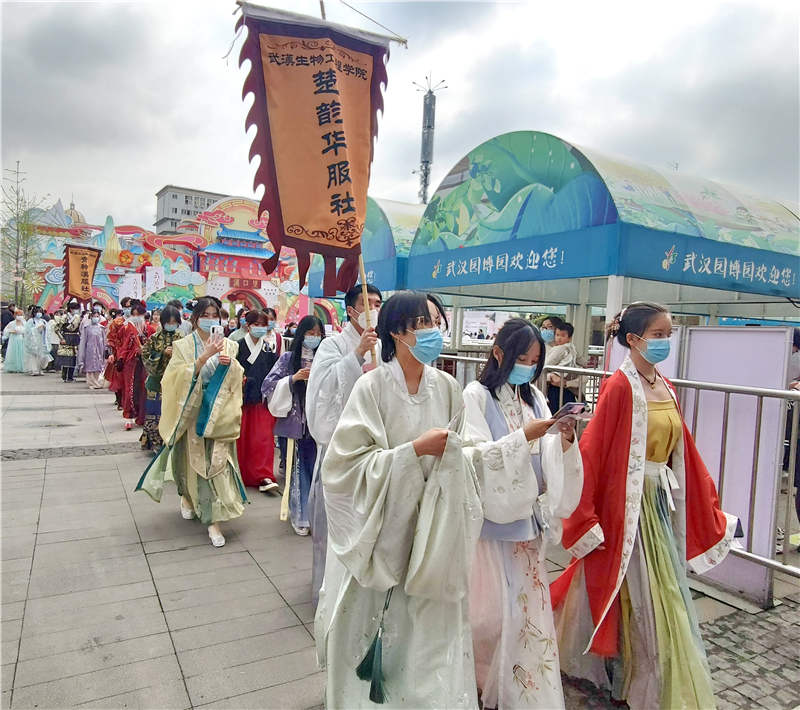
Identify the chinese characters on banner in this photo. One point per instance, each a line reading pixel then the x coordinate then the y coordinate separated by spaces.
pixel 79 266
pixel 739 270
pixel 153 280
pixel 317 92
pixel 506 262
pixel 131 286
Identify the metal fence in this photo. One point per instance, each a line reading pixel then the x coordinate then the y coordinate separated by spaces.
pixel 466 369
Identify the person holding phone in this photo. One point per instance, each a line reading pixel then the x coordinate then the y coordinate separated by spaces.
pixel 284 390
pixel 529 481
pixel 201 414
pixel 649 509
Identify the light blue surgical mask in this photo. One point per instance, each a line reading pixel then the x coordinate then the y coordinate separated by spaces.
pixel 312 341
pixel 38 316
pixel 521 374
pixel 206 323
pixel 271 325
pixel 548 335
pixel 657 350
pixel 126 312
pixel 428 346
pixel 170 327
pixel 258 331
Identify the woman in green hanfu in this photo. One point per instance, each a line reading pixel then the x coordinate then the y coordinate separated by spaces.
pixel 200 419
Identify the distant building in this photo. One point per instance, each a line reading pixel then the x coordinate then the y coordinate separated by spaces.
pixel 175 204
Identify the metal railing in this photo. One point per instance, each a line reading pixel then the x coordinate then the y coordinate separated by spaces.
pixel 466 369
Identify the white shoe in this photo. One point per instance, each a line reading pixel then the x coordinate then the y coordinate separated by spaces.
pixel 301 531
pixel 186 513
pixel 216 540
pixel 267 486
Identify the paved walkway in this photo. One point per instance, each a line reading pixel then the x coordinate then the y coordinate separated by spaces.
pixel 112 601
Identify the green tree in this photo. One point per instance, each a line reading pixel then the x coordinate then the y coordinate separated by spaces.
pixel 20 254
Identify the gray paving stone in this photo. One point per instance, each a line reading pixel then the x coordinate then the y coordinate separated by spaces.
pixel 297 595
pixel 62 604
pixel 305 612
pixel 14 586
pixel 219 686
pixel 6 676
pixel 183 556
pixel 12 611
pixel 84 532
pixel 210 579
pixel 231 630
pixel 90 635
pixel 9 651
pixel 165 696
pixel 93 574
pixel 178 542
pixel 208 563
pixel 308 692
pixel 93 686
pixel 92 658
pixel 209 595
pixel 223 611
pixel 243 651
pixel 81 551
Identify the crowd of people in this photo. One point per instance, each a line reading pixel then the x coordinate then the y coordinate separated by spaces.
pixel 430 507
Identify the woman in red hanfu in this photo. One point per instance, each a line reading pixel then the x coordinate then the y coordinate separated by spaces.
pixel 624 616
pixel 134 394
pixel 113 373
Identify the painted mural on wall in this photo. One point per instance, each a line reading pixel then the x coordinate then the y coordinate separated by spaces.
pixel 676 202
pixel 218 254
pixel 516 185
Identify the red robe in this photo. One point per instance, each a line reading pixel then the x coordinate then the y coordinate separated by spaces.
pixel 608 514
pixel 112 374
pixel 134 393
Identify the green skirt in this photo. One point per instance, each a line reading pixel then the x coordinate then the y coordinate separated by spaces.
pixel 214 500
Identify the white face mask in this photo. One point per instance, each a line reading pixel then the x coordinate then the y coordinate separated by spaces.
pixel 373 316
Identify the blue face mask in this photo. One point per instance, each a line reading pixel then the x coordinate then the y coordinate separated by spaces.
pixel 312 341
pixel 429 345
pixel 38 316
pixel 206 323
pixel 170 327
pixel 126 311
pixel 271 325
pixel 548 335
pixel 258 331
pixel 521 374
pixel 657 350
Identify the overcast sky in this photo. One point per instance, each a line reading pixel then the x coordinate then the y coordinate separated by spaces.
pixel 110 101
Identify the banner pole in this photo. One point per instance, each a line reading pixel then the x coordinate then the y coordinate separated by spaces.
pixel 365 299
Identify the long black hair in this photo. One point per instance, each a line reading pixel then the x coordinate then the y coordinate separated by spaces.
pixel 398 315
pixel 303 327
pixel 635 319
pixel 515 338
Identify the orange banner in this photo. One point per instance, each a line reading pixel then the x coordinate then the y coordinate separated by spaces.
pixel 317 92
pixel 80 264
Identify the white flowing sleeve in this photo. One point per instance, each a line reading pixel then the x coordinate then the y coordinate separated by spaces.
pixel 280 401
pixel 563 473
pixel 503 467
pixel 372 492
pixel 333 377
pixel 449 524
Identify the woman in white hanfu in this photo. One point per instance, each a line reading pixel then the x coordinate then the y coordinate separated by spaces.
pixel 403 517
pixel 529 480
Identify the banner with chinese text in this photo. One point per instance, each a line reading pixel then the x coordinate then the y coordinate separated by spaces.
pixel 80 263
pixel 317 90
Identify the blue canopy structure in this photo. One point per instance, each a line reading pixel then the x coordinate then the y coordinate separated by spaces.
pixel 528 207
pixel 389 230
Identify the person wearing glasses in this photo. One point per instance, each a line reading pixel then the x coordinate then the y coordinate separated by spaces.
pixel 530 479
pixel 404 514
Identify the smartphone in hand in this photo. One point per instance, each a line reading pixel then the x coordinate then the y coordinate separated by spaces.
pixel 217 332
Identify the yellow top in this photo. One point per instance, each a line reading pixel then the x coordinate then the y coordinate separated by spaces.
pixel 664 430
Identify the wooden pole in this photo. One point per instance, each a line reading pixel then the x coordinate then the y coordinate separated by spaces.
pixel 365 299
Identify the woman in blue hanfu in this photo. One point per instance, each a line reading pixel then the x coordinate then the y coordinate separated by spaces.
pixel 530 479
pixel 37 349
pixel 201 413
pixel 14 333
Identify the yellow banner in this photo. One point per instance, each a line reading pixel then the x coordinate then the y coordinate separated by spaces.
pixel 79 266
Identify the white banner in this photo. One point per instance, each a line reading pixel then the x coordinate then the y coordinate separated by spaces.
pixel 130 285
pixel 153 279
